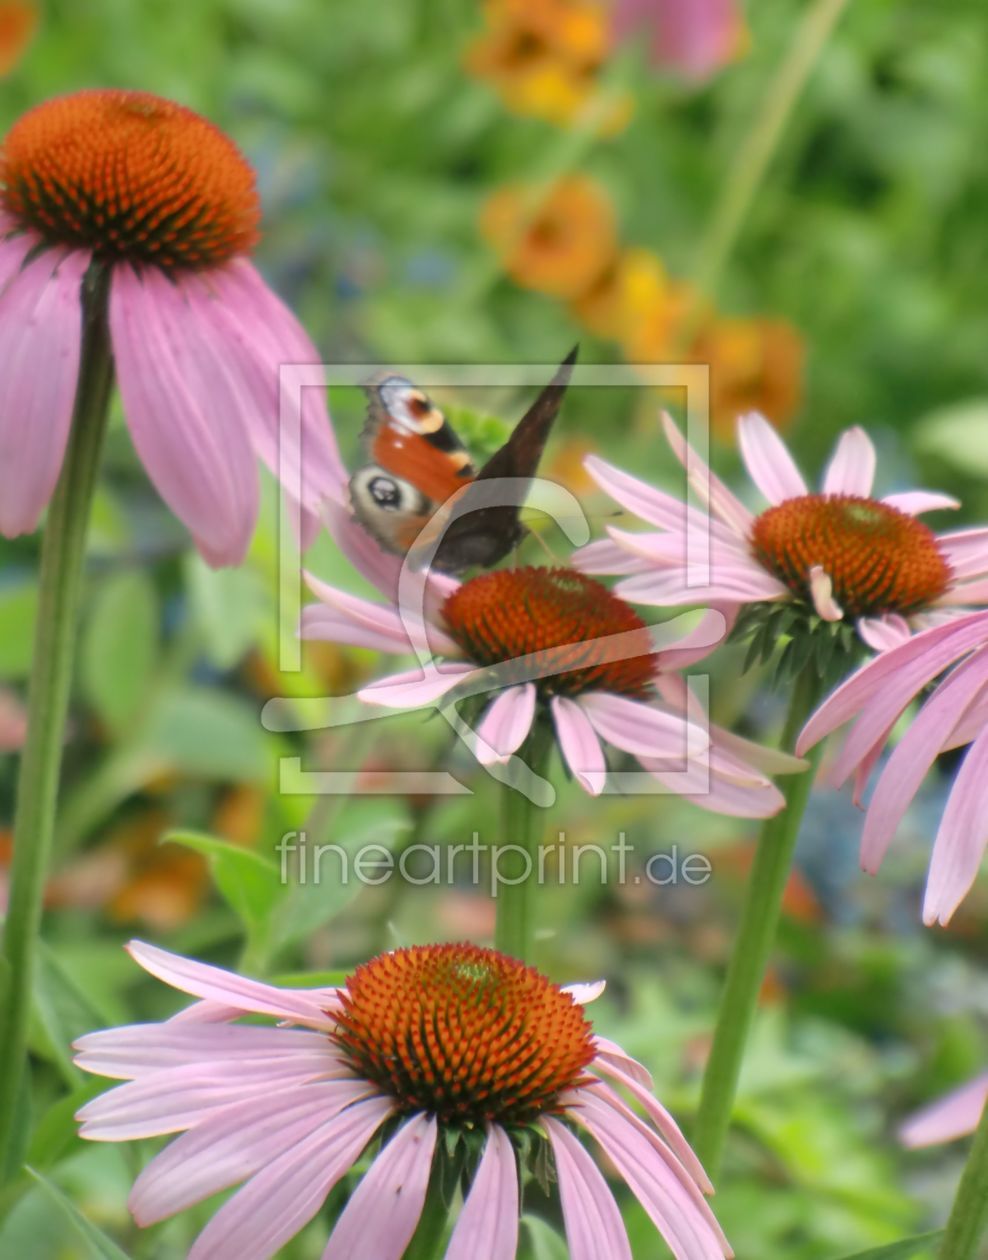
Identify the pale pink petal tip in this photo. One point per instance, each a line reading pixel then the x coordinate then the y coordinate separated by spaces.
pixel 582 994
pixel 950 1117
pixel 505 726
pixel 822 593
pixel 768 461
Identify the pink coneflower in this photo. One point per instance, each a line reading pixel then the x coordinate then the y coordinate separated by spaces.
pixel 162 201
pixel 549 635
pixel 838 554
pixel 433 1052
pixel 694 37
pixel 953 1116
pixel 955 714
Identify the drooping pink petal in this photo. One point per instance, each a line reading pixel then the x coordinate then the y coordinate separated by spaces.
pixel 234 1144
pixel 710 488
pixel 915 754
pixel 616 1065
pixel 181 1097
pixel 206 981
pixel 488 1225
pixel 852 467
pixel 505 725
pixel 949 1117
pixel 688 1226
pixel 903 672
pixel 287 1193
pixel 382 1213
pixel 916 502
pixel 138 1049
pixel 972 722
pixel 822 594
pixel 594 1228
pixel 643 729
pixel 40 340
pixel 883 633
pixel 414 689
pixel 184 411
pixel 701 786
pixel 961 839
pixel 966 551
pixel 768 461
pixel 579 744
pixel 340 617
pixel 607 1094
pixel 262 336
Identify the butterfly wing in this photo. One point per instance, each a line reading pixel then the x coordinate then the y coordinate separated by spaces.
pixel 489 531
pixel 417 462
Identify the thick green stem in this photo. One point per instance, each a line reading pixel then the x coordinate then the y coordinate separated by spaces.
pixel 62 555
pixel 969 1215
pixel 753 945
pixel 751 159
pixel 517 869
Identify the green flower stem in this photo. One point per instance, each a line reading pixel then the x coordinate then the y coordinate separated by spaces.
pixel 752 158
pixel 62 555
pixel 518 868
pixel 969 1215
pixel 753 945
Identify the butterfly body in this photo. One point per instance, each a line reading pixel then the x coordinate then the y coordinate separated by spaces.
pixel 421 492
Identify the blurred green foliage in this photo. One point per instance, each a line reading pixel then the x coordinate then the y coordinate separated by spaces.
pixel 374 152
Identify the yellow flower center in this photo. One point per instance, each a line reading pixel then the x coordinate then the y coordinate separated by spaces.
pixel 464 1033
pixel 130 175
pixel 880 560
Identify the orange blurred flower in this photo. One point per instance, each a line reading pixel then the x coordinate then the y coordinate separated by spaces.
pixel 622 297
pixel 755 365
pixel 658 329
pixel 544 57
pixel 18 23
pixel 560 243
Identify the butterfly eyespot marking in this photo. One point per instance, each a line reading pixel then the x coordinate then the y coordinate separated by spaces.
pixel 385 492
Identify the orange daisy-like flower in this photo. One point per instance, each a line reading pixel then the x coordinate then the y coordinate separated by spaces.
pixel 560 242
pixel 544 57
pixel 18 24
pixel 633 285
pixel 755 365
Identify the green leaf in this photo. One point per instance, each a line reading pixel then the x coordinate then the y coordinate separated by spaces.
pixel 546 1243
pixel 18 607
pixel 97 1243
pixel 330 876
pixel 119 647
pixel 227 605
pixel 247 880
pixel 57 1133
pixel 64 1013
pixel 905 1249
pixel 957 434
pixel 207 734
